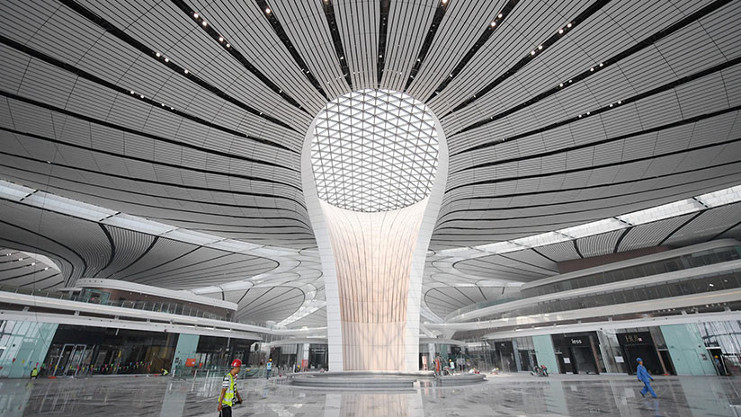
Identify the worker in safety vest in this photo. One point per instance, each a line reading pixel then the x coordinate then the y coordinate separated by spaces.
pixel 229 390
pixel 34 373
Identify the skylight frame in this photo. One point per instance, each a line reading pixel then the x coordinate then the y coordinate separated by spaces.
pixel 366 158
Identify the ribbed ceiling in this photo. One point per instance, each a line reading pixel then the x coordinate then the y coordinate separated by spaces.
pixel 555 113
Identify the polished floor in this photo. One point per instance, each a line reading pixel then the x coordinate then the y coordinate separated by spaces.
pixel 503 395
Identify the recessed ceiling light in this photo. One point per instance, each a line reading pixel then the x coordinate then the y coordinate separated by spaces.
pixel 46 268
pixel 587 113
pixel 620 102
pixel 157 54
pixel 560 85
pixel 205 23
pixel 132 91
pixel 186 71
pixel 167 59
pixel 532 52
pixel 221 39
pixel 540 46
pixel 228 46
pixel 500 15
pixel 580 116
pixel 267 10
pixel 33 263
pixel 195 15
pixel 141 95
pixel 601 64
pixel 568 25
pixel 560 31
pixel 591 69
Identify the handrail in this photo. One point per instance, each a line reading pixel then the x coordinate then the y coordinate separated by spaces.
pixel 158 306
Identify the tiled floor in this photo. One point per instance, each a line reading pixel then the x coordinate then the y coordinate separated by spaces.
pixel 505 395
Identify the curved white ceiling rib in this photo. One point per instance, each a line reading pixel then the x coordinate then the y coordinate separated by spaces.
pixel 558 116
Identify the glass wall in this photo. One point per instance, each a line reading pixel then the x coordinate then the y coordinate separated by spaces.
pixel 23 346
pixel 723 342
pixel 79 351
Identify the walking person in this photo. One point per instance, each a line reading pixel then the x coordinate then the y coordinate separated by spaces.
pixel 229 390
pixel 269 368
pixel 644 377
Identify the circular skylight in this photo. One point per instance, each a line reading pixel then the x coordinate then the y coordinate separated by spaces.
pixel 374 150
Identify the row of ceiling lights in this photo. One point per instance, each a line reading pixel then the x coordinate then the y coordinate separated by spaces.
pixel 21 259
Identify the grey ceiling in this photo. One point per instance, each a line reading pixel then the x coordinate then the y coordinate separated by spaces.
pixel 647 114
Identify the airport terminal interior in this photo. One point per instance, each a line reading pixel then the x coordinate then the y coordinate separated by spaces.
pixel 370 208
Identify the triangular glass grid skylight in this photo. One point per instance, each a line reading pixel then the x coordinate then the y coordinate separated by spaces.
pixel 374 150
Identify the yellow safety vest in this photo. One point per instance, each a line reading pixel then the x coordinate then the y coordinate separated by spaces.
pixel 229 394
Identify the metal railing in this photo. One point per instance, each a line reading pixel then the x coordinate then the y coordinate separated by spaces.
pixel 170 307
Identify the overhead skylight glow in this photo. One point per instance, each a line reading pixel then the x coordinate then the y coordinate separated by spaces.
pixel 374 150
pixel 652 214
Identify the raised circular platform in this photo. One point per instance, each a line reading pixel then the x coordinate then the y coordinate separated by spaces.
pixel 379 380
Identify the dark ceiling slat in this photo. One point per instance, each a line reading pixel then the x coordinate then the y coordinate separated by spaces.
pixel 439 14
pixel 331 16
pixel 612 106
pixel 382 37
pixel 281 33
pixel 495 24
pixel 650 40
pixel 667 126
pixel 123 36
pixel 582 17
pixel 236 54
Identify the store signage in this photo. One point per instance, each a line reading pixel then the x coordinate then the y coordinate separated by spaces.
pixel 576 341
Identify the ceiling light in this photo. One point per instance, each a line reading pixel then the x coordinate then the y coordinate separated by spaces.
pixel 540 46
pixel 493 24
pixel 532 52
pixel 14 192
pixel 33 263
pixel 138 224
pixel 228 46
pixel 560 85
pixel 601 64
pixel 141 95
pixel 568 25
pixel 167 59
pixel 132 91
pixel 587 113
pixel 721 197
pixel 500 15
pixel 267 10
pixel 205 23
pixel 591 69
pixel 620 102
pixel 68 206
pixel 46 268
pixel 221 39
pixel 195 15
pixel 158 54
pixel 665 211
pixel 560 31
pixel 185 71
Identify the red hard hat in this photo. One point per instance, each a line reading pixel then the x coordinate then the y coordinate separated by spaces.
pixel 236 363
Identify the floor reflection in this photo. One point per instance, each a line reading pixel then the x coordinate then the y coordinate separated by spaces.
pixel 508 395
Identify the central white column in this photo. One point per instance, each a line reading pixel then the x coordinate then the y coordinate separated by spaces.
pixel 373 262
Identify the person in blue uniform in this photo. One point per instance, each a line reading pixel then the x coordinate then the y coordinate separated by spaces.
pixel 644 377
